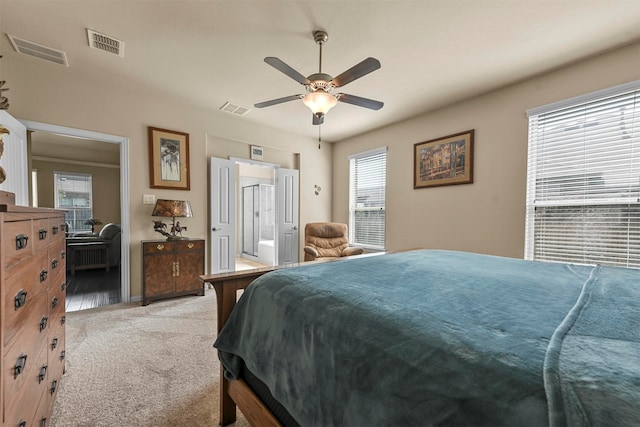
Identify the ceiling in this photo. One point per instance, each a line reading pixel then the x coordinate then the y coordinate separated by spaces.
pixel 433 52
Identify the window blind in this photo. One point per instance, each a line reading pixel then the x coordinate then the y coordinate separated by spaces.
pixel 583 180
pixel 367 190
pixel 74 195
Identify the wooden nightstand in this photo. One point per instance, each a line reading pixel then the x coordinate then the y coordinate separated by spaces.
pixel 171 268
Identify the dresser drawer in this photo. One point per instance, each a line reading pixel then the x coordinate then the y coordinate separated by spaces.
pixel 18 241
pixel 26 320
pixel 24 391
pixel 190 245
pixel 57 257
pixel 57 227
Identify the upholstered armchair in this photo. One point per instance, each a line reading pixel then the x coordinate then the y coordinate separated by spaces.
pixel 327 240
pixel 102 251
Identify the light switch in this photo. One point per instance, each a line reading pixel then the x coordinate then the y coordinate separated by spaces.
pixel 148 199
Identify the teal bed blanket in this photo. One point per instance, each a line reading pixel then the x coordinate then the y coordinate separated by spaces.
pixel 441 338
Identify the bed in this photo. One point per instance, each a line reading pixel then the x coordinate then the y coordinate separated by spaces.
pixel 436 338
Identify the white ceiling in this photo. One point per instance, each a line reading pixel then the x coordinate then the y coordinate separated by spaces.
pixel 432 52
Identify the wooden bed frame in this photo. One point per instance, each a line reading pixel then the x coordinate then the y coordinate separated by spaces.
pixel 237 392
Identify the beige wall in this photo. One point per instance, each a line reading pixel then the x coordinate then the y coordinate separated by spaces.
pixel 106 187
pixel 43 92
pixel 487 216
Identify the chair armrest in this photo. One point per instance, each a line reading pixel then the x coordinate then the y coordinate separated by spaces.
pixel 351 250
pixel 311 251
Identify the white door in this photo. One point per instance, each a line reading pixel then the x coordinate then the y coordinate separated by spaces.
pixel 14 160
pixel 287 183
pixel 223 215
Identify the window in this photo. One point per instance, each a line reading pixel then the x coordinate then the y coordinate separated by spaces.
pixel 583 181
pixel 73 195
pixel 367 188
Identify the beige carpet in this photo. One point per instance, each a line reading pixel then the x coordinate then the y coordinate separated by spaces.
pixel 129 365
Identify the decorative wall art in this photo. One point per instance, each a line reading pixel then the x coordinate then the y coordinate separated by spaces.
pixel 168 159
pixel 444 161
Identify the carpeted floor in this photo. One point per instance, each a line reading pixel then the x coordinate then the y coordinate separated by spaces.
pixel 129 365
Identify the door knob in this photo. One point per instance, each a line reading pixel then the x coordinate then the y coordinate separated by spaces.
pixel 295 227
pixel 214 229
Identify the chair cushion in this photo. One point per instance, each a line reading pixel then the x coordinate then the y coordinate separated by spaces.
pixel 109 231
pixel 329 238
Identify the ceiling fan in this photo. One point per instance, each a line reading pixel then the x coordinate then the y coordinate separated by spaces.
pixel 320 86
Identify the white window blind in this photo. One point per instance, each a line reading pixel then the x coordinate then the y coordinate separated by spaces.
pixel 74 195
pixel 583 180
pixel 367 189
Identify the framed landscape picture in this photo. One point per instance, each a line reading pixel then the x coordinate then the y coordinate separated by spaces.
pixel 444 161
pixel 168 159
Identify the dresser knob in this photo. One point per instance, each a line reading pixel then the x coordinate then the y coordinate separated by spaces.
pixel 160 247
pixel 190 245
pixel 54 302
pixel 43 275
pixel 22 423
pixel 43 374
pixel 54 343
pixel 54 264
pixel 43 422
pixel 43 323
pixel 54 385
pixel 20 299
pixel 55 229
pixel 19 366
pixel 21 241
pixel 42 234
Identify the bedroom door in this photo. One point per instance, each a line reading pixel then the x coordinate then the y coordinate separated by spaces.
pixel 222 212
pixel 287 215
pixel 14 159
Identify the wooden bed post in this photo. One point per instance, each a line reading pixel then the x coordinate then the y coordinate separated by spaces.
pixel 226 286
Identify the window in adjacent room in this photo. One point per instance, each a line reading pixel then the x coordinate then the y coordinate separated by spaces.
pixel 583 181
pixel 73 195
pixel 367 188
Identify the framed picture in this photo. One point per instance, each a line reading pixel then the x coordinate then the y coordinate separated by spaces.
pixel 168 159
pixel 444 161
pixel 256 152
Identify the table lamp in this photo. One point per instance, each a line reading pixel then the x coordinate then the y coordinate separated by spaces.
pixel 174 209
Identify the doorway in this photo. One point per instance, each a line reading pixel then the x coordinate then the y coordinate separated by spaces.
pixel 102 279
pixel 253 215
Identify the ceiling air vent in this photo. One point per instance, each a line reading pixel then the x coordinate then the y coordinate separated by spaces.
pixel 39 51
pixel 105 43
pixel 234 109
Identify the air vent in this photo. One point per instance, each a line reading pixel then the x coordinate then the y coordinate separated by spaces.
pixel 105 43
pixel 234 109
pixel 39 51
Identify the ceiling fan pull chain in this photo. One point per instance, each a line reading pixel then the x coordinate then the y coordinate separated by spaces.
pixel 319 136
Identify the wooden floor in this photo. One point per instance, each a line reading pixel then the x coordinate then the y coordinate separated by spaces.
pixel 92 288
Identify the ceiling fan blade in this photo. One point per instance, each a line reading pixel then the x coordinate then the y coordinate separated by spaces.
pixel 277 101
pixel 284 68
pixel 362 69
pixel 318 120
pixel 360 102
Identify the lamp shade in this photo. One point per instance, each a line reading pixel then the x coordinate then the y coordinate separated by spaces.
pixel 320 102
pixel 172 208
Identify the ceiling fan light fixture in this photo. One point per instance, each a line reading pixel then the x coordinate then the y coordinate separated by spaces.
pixel 320 102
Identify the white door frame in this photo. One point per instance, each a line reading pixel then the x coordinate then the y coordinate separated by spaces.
pixel 125 285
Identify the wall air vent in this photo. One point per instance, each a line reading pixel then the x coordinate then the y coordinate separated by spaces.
pixel 39 51
pixel 105 43
pixel 234 109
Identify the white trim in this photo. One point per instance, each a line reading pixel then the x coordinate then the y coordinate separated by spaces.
pixel 603 93
pixel 74 162
pixel 368 153
pixel 125 285
pixel 254 162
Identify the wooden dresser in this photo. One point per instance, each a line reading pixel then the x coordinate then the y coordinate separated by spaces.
pixel 33 288
pixel 171 268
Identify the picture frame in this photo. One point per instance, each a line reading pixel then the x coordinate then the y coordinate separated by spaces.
pixel 444 161
pixel 256 152
pixel 169 159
